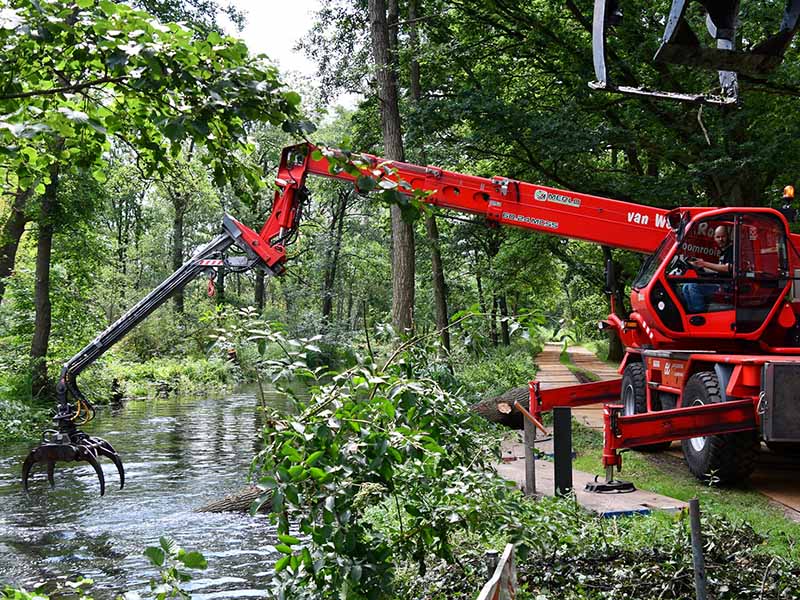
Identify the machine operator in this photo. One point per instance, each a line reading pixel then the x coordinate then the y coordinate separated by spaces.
pixel 697 294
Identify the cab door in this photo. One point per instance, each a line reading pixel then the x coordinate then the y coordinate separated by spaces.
pixel 706 297
pixel 762 273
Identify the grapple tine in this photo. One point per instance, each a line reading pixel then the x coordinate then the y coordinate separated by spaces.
pixel 51 469
pixel 89 457
pixel 26 469
pixel 105 449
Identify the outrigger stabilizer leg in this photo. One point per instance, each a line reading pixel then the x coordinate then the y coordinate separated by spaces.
pixel 67 443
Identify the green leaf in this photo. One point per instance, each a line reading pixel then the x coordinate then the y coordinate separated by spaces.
pixel 259 502
pixel 169 545
pixel 288 539
pixel 282 563
pixel 317 473
pixel 283 548
pixel 292 98
pixel 355 573
pixel 99 175
pixel 194 560
pixel 314 457
pixel 156 555
pixel 365 183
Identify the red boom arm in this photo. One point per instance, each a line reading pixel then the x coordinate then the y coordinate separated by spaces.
pixel 500 200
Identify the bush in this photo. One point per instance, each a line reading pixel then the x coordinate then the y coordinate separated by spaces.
pixel 496 372
pixel 184 376
pixel 19 420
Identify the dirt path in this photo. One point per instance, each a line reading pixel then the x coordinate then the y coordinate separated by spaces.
pixel 777 477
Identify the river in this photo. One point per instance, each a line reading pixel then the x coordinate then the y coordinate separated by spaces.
pixel 179 453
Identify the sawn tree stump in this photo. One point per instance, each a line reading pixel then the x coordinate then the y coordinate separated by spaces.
pixel 500 409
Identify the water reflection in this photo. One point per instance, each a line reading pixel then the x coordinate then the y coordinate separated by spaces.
pixel 179 453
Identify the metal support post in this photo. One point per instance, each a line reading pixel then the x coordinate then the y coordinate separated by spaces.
pixel 530 457
pixel 562 450
pixel 698 561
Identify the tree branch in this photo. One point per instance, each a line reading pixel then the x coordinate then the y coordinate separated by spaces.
pixel 65 89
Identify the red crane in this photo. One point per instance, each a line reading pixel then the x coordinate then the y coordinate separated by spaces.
pixel 712 340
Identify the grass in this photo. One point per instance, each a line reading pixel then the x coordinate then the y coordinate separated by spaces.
pixel 580 373
pixel 666 474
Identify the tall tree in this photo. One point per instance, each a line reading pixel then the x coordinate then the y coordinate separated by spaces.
pixel 44 249
pixel 11 233
pixel 403 249
pixel 431 227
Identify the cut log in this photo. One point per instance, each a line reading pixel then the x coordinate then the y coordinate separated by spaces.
pixel 239 501
pixel 500 409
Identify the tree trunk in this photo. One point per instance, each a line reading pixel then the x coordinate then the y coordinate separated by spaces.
pixel 259 291
pixel 43 319
pixel 616 350
pixel 431 228
pixel 239 501
pixel 493 322
pixel 179 204
pixel 332 254
pixel 439 285
pixel 11 234
pixel 500 409
pixel 505 335
pixel 403 251
pixel 481 299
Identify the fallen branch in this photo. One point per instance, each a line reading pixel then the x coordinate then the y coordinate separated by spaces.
pixel 239 501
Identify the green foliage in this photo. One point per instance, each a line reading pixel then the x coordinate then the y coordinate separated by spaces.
pixel 77 589
pixel 380 178
pixel 82 72
pixel 364 436
pixel 19 419
pixel 651 557
pixel 162 374
pixel 496 372
pixel 172 562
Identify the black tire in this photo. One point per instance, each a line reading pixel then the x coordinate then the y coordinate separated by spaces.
pixel 634 400
pixel 720 459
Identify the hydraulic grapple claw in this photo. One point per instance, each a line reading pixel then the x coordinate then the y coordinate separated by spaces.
pixel 75 447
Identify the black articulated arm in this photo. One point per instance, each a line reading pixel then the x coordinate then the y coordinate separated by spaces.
pixel 67 442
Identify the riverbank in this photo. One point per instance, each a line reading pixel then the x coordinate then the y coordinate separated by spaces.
pixel 112 380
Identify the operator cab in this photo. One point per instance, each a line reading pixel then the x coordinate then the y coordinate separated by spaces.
pixel 722 274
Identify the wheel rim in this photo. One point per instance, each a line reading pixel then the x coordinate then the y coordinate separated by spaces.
pixel 697 443
pixel 629 400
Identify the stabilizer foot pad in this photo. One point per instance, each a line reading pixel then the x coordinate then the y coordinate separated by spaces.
pixel 615 486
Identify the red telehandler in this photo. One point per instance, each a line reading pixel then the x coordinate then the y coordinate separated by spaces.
pixel 712 340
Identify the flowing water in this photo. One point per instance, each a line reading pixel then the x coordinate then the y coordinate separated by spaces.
pixel 179 453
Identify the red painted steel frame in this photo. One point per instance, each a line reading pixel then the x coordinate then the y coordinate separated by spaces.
pixel 573 396
pixel 648 428
pixel 501 200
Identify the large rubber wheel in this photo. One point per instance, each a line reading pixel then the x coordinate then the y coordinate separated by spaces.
pixel 634 400
pixel 722 459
